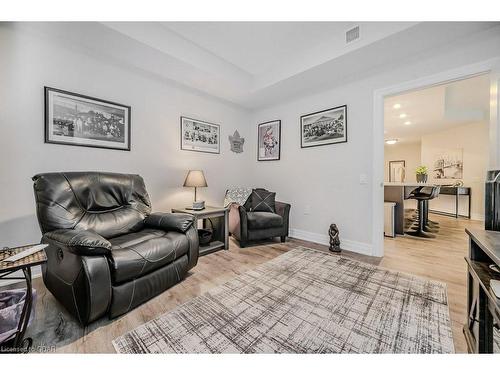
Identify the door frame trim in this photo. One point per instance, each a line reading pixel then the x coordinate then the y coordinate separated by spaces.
pixel 379 95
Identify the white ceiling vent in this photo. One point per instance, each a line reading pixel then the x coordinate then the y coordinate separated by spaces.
pixel 352 34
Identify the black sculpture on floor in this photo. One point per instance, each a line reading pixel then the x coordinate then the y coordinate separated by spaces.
pixel 334 238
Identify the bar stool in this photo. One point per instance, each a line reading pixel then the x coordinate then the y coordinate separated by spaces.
pixel 429 222
pixel 429 225
pixel 423 196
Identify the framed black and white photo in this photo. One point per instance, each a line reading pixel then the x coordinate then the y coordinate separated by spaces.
pixel 324 127
pixel 448 164
pixel 79 120
pixel 269 141
pixel 199 136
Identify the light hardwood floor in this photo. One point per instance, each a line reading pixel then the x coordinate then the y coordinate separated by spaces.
pixel 439 259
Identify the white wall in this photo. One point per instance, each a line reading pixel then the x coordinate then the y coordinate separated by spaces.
pixel 473 139
pixel 409 152
pixel 323 183
pixel 27 64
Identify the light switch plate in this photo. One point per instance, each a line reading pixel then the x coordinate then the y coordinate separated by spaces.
pixel 363 179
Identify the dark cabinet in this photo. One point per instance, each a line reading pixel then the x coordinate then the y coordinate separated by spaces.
pixel 483 307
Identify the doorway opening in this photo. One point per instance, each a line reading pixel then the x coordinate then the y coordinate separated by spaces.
pixel 436 155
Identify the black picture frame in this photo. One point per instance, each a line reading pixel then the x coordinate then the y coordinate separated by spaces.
pixel 198 148
pixel 390 167
pixel 52 138
pixel 259 158
pixel 326 142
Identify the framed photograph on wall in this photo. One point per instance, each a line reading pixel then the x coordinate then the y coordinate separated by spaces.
pixel 396 171
pixel 448 164
pixel 199 136
pixel 79 120
pixel 269 141
pixel 324 127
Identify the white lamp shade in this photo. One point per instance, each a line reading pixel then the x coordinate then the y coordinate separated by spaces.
pixel 195 179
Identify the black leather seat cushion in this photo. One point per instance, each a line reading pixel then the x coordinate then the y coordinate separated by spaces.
pixel 264 220
pixel 109 204
pixel 136 254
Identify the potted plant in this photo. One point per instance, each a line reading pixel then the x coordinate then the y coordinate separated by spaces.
pixel 422 173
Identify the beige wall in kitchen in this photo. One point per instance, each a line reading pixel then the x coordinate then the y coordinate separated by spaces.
pixel 473 139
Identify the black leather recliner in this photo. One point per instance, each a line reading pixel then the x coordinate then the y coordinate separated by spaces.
pixel 107 253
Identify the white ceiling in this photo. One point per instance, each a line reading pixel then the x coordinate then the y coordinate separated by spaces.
pixel 255 64
pixel 258 47
pixel 262 47
pixel 437 108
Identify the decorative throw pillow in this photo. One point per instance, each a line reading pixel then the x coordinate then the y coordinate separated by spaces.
pixel 263 201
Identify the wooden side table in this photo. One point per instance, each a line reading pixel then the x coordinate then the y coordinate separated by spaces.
pixel 219 220
pixel 24 265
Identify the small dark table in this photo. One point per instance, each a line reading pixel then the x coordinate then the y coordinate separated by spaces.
pixel 24 265
pixel 218 217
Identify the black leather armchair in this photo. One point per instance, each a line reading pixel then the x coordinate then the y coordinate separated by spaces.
pixel 107 253
pixel 246 225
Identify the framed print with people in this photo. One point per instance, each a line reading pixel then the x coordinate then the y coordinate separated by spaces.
pixel 269 141
pixel 80 120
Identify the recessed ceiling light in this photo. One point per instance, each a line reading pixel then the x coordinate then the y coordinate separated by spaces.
pixel 407 122
pixel 402 115
pixel 391 141
pixel 396 106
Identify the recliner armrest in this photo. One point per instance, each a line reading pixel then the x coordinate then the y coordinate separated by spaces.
pixel 282 209
pixel 169 221
pixel 82 242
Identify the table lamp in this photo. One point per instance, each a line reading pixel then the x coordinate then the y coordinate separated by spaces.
pixel 196 179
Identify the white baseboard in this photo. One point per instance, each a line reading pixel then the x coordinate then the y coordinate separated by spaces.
pixel 35 272
pixel 323 239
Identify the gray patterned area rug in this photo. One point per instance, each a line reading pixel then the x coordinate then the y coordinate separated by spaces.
pixel 305 301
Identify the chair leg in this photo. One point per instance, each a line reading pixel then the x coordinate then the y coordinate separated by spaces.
pixel 426 213
pixel 242 243
pixel 283 238
pixel 419 232
pixel 429 223
pixel 429 226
